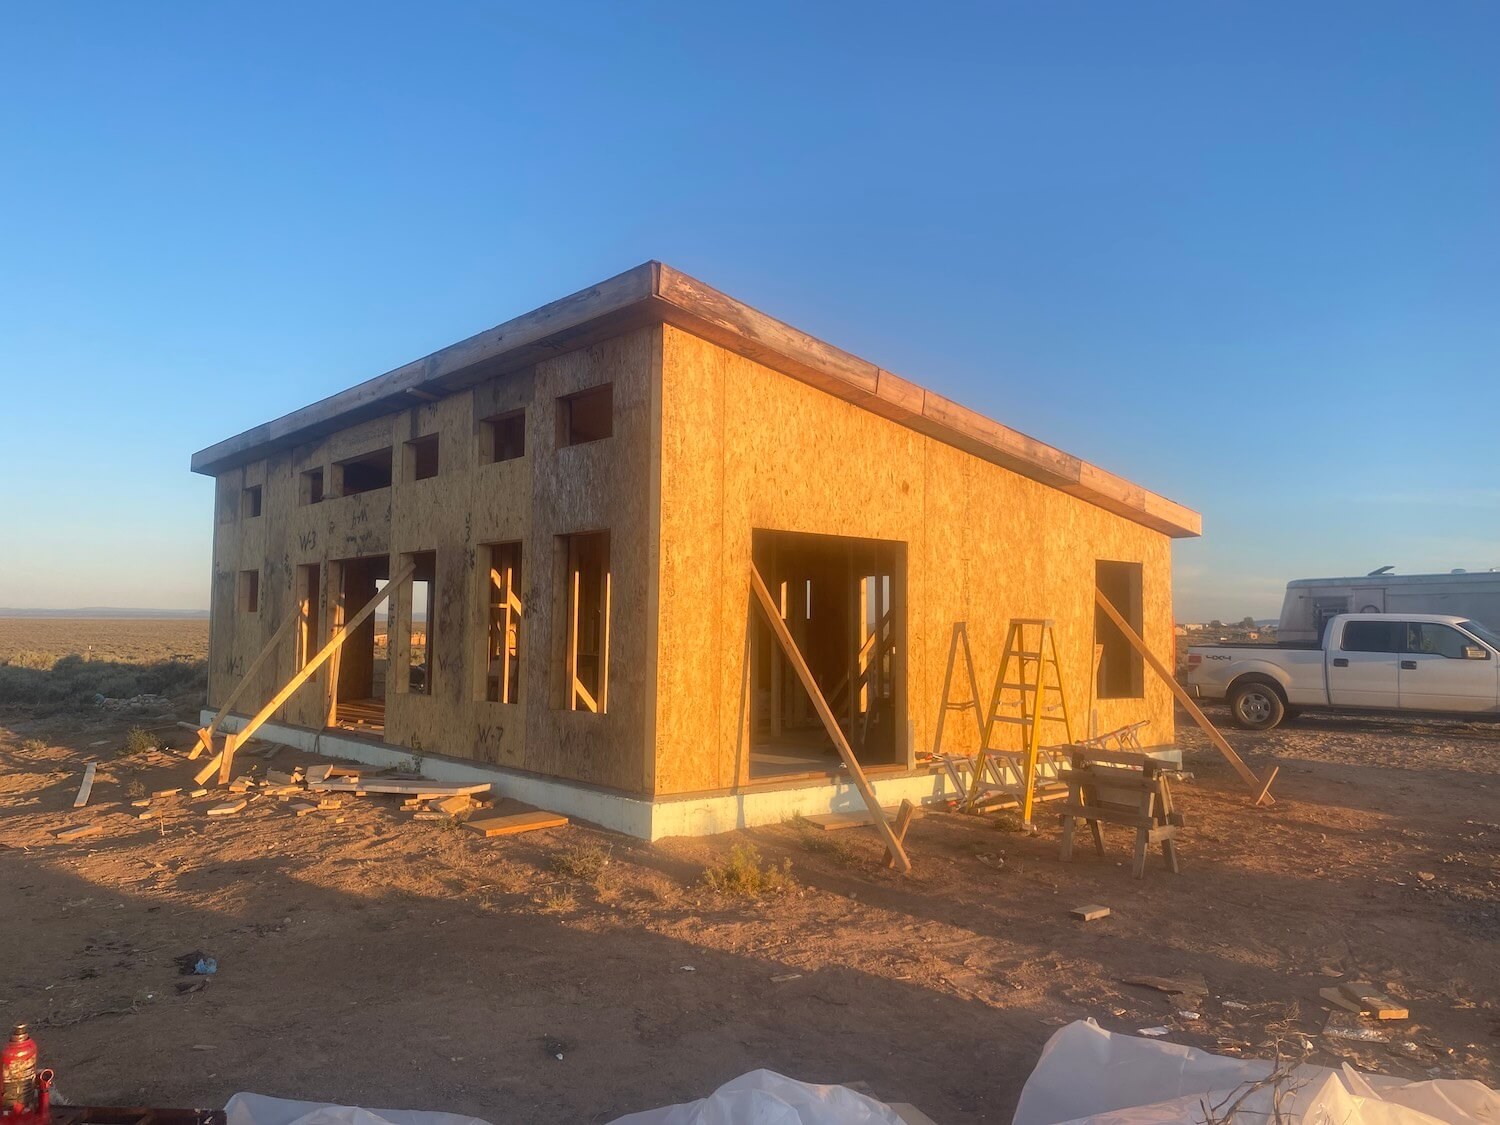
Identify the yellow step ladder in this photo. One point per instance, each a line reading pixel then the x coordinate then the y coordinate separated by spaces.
pixel 1028 693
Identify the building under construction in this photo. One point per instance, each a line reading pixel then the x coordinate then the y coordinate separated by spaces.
pixel 564 514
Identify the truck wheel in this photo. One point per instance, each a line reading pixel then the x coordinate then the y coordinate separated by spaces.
pixel 1256 706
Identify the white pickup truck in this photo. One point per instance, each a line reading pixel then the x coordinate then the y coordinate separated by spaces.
pixel 1397 662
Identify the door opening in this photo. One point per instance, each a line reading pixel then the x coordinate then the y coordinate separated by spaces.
pixel 359 665
pixel 844 603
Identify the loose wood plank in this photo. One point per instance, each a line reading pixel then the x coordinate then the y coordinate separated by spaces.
pixel 87 787
pixel 1339 1000
pixel 410 788
pixel 510 824
pixel 228 808
pixel 69 834
pixel 1372 1001
pixel 1091 913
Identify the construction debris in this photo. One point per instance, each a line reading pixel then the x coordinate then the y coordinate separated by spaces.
pixel 69 834
pixel 1373 1002
pixel 510 824
pixel 1339 1000
pixel 87 787
pixel 228 808
pixel 1089 913
pixel 410 788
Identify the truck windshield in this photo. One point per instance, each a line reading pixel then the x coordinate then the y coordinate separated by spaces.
pixel 1482 633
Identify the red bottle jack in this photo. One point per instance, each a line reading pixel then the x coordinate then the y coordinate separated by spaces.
pixel 18 1067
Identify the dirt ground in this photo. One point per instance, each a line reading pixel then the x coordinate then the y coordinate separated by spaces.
pixel 366 958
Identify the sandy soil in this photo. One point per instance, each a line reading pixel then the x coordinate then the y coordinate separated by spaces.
pixel 366 958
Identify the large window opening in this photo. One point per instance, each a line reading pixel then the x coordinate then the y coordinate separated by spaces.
pixel 843 601
pixel 308 593
pixel 1122 672
pixel 420 599
pixel 585 586
pixel 250 502
pixel 586 416
pixel 365 473
pixel 503 648
pixel 358 666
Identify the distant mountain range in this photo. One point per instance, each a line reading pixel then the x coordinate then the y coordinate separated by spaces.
pixel 106 611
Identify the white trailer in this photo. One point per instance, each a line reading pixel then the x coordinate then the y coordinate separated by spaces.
pixel 1312 602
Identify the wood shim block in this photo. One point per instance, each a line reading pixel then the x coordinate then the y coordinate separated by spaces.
pixel 149 813
pixel 509 824
pixel 280 777
pixel 1089 913
pixel 228 808
pixel 142 803
pixel 1372 1001
pixel 410 788
pixel 1339 1000
pixel 302 808
pixel 86 787
pixel 454 805
pixel 330 803
pixel 834 821
pixel 166 792
pixel 69 834
pixel 198 793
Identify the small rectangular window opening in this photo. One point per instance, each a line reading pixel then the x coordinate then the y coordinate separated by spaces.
pixel 249 591
pixel 503 648
pixel 366 473
pixel 586 643
pixel 422 458
pixel 1122 672
pixel 250 502
pixel 505 436
pixel 310 486
pixel 585 416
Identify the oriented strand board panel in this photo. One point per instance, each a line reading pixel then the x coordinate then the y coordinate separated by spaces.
pixel 745 447
pixel 471 503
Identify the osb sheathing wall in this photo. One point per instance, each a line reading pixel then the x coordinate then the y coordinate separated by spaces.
pixel 746 447
pixel 549 492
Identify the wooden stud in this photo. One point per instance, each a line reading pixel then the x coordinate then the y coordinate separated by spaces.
pixel 904 816
pixel 67 835
pixel 87 787
pixel 1261 788
pixel 830 724
pixel 206 734
pixel 305 673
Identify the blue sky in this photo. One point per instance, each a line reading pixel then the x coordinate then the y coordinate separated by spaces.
pixel 1247 255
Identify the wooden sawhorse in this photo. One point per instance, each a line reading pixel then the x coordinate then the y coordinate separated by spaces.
pixel 1131 790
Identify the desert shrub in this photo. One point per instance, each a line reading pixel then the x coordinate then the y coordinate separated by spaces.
pixel 585 862
pixel 554 901
pixel 740 873
pixel 138 741
pixel 36 680
pixel 33 746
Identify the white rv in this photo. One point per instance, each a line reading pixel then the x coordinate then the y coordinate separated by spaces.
pixel 1311 602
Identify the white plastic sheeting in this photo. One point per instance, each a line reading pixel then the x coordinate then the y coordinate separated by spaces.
pixel 1088 1075
pixel 761 1097
pixel 764 1097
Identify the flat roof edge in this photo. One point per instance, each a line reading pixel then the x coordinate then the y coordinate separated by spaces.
pixel 655 293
